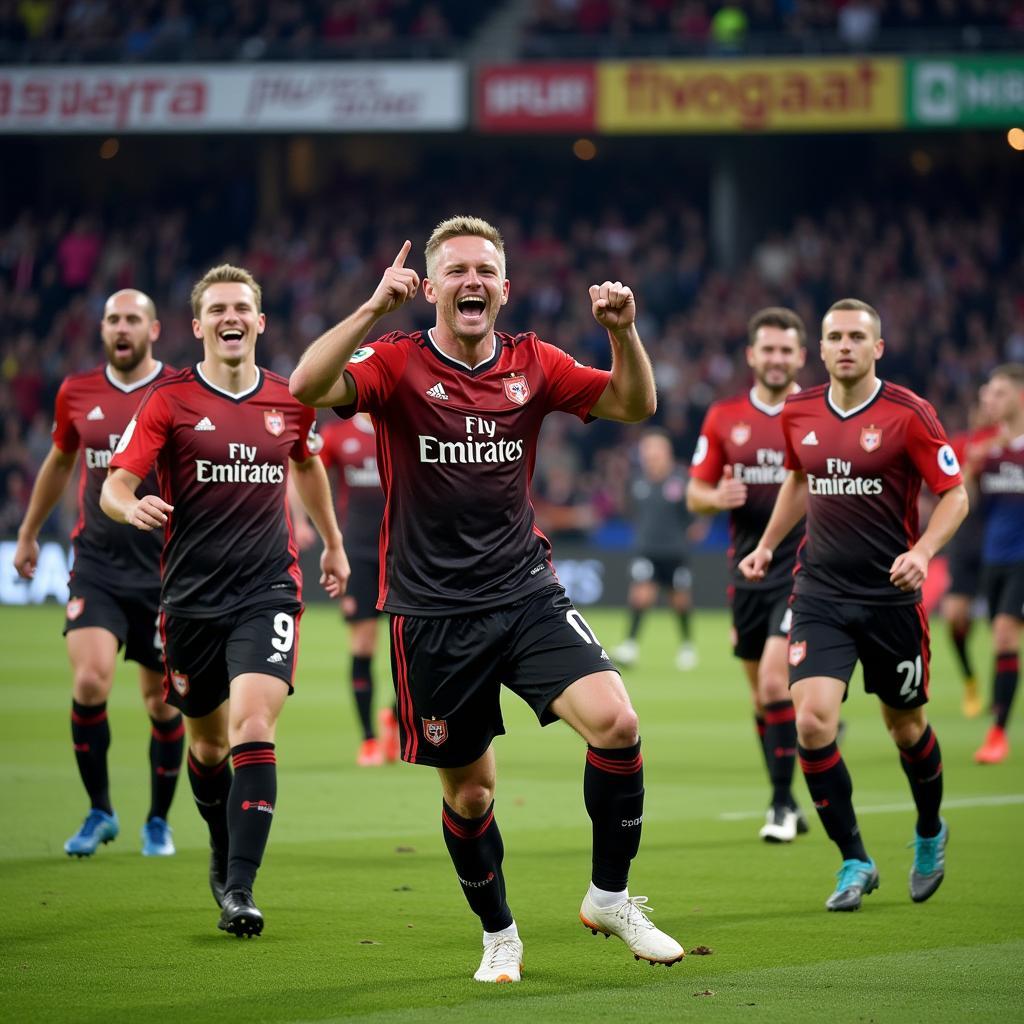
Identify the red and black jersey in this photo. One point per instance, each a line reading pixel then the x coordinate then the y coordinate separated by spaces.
pixel 968 445
pixel 746 434
pixel 999 470
pixel 350 448
pixel 864 470
pixel 91 412
pixel 456 448
pixel 222 462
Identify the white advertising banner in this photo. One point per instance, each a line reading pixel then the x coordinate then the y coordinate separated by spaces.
pixel 255 98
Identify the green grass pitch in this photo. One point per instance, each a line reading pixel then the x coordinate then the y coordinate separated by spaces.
pixel 365 920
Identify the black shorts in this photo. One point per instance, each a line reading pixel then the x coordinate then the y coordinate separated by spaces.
pixel 891 641
pixel 1004 589
pixel 204 655
pixel 448 672
pixel 673 573
pixel 964 573
pixel 360 599
pixel 132 617
pixel 756 616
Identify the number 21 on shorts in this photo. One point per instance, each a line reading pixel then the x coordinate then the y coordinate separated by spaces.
pixel 912 673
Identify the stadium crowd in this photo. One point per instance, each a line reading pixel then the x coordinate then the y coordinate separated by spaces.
pixel 948 281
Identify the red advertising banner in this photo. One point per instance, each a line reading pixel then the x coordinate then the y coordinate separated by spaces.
pixel 536 98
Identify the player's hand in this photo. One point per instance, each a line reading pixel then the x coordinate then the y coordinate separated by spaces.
pixel 730 492
pixel 755 565
pixel 909 570
pixel 398 285
pixel 150 512
pixel 613 305
pixel 334 571
pixel 26 556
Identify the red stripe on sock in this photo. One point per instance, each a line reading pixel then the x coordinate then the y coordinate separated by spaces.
pixel 1007 663
pixel 778 717
pixel 921 755
pixel 604 764
pixel 169 737
pixel 250 757
pixel 460 831
pixel 814 767
pixel 206 769
pixel 89 719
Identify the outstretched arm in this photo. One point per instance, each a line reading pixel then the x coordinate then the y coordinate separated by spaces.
pixel 630 395
pixel 46 491
pixel 320 378
pixel 311 482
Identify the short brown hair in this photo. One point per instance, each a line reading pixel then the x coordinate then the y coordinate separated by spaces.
pixel 454 227
pixel 1013 372
pixel 777 316
pixel 224 274
pixel 857 305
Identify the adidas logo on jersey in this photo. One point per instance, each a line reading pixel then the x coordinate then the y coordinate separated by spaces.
pixel 438 391
pixel 95 413
pixel 811 438
pixel 277 658
pixel 205 424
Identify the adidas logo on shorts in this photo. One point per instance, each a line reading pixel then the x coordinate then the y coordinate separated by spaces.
pixel 277 658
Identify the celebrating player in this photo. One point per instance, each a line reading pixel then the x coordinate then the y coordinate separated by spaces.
pixel 223 435
pixel 350 449
pixel 466 574
pixel 662 547
pixel 738 467
pixel 115 584
pixel 999 472
pixel 857 449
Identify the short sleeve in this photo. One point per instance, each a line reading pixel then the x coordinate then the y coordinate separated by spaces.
pixel 571 387
pixel 375 369
pixel 65 434
pixel 931 452
pixel 709 456
pixel 309 442
pixel 145 435
pixel 792 460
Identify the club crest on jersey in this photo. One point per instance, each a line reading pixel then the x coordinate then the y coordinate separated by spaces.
pixel 274 422
pixel 870 438
pixel 797 653
pixel 75 608
pixel 435 730
pixel 179 680
pixel 517 389
pixel 740 433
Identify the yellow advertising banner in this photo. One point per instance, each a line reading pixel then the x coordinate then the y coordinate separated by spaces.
pixel 788 95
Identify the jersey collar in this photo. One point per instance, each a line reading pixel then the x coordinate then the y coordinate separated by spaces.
pixel 769 410
pixel 241 396
pixel 129 388
pixel 845 414
pixel 458 364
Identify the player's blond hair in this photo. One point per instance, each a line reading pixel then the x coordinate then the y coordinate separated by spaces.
pixel 455 227
pixel 858 306
pixel 224 274
pixel 1013 372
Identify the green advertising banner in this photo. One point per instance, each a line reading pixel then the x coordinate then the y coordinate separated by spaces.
pixel 965 92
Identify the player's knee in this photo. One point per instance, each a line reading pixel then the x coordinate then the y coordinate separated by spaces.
pixel 907 732
pixel 257 727
pixel 814 728
pixel 620 727
pixel 207 750
pixel 157 709
pixel 472 798
pixel 91 684
pixel 773 687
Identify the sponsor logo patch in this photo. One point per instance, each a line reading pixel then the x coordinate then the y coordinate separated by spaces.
pixel 274 422
pixel 179 680
pixel 797 653
pixel 75 608
pixel 517 389
pixel 870 438
pixel 948 461
pixel 740 433
pixel 360 354
pixel 435 730
pixel 700 453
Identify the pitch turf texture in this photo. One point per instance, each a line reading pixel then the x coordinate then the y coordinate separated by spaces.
pixel 365 920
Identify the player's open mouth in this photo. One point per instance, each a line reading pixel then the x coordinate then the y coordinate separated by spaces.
pixel 231 336
pixel 123 348
pixel 472 307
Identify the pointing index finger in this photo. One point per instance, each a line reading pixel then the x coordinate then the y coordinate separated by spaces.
pixel 400 258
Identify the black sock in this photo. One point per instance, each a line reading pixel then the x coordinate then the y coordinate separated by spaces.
pixel 684 625
pixel 762 732
pixel 476 850
pixel 250 811
pixel 780 750
pixel 959 634
pixel 923 766
pixel 166 746
pixel 832 792
pixel 90 734
pixel 211 784
pixel 634 623
pixel 1005 686
pixel 613 791
pixel 362 690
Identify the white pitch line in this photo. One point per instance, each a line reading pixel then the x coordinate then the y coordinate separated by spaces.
pixel 966 801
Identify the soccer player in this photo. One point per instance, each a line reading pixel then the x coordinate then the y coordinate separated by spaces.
pixel 115 582
pixel 223 435
pixel 350 449
pixel 857 449
pixel 466 575
pixel 999 473
pixel 738 468
pixel 662 547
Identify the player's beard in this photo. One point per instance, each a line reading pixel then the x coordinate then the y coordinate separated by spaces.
pixel 769 379
pixel 125 361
